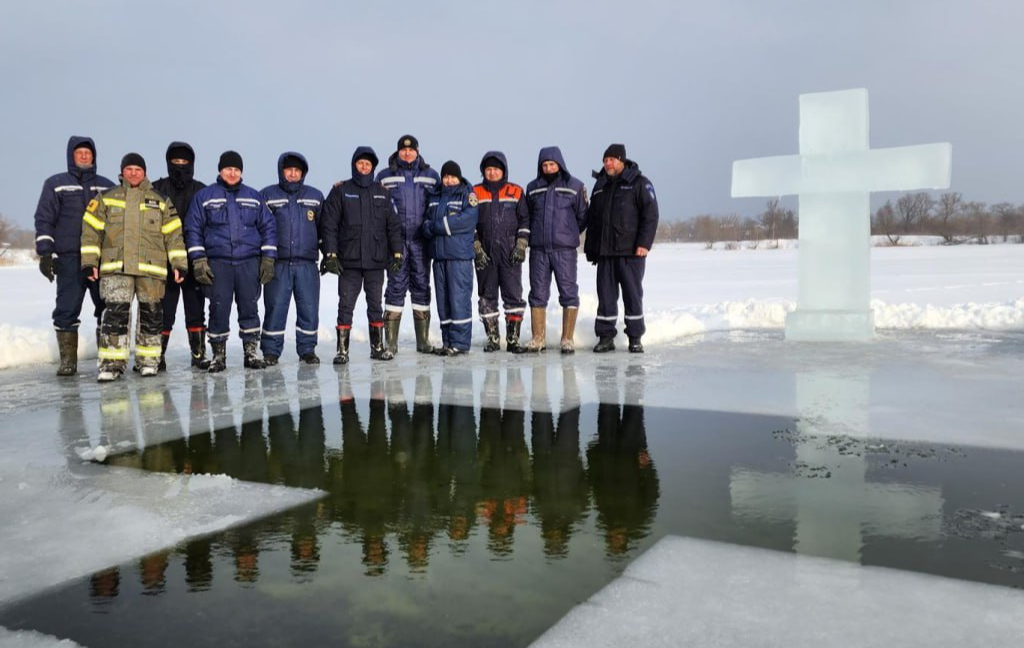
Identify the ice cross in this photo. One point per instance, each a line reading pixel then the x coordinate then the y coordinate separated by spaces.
pixel 833 176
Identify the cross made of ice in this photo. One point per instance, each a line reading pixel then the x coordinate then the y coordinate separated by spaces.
pixel 833 176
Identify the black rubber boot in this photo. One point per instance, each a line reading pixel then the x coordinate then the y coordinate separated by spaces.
pixel 251 348
pixel 220 357
pixel 377 349
pixel 197 343
pixel 604 345
pixel 493 336
pixel 342 355
pixel 67 346
pixel 164 339
pixel 512 329
pixel 635 346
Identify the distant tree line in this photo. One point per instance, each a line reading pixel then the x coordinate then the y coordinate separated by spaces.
pixel 949 216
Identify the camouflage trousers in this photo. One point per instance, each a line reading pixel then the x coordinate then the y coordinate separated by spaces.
pixel 118 291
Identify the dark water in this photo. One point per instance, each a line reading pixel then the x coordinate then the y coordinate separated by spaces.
pixel 450 525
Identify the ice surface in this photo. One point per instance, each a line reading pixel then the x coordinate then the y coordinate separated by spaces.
pixel 833 176
pixel 29 639
pixel 688 592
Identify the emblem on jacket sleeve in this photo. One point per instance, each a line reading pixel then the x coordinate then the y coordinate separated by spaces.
pixel 93 204
pixel 310 215
pixel 473 199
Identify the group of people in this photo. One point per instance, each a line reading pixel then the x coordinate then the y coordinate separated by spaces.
pixel 228 243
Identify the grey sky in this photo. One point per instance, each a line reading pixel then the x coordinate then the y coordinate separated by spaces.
pixel 688 87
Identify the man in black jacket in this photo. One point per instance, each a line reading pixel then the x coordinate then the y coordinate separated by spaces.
pixel 621 222
pixel 180 187
pixel 362 235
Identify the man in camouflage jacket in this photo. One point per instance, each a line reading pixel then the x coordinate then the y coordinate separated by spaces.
pixel 129 235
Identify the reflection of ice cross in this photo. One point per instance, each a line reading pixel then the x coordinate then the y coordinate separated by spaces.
pixel 833 176
pixel 833 514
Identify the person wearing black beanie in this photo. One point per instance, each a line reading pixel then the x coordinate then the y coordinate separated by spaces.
pixel 621 223
pixel 502 237
pixel 232 244
pixel 180 186
pixel 124 230
pixel 409 180
pixel 450 227
pixel 362 236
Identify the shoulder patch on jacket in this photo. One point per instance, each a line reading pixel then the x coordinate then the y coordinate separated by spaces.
pixel 650 190
pixel 93 204
pixel 473 202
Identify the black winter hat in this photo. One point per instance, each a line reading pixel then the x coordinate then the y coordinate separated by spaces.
pixel 451 168
pixel 408 141
pixel 290 161
pixel 617 151
pixel 133 159
pixel 229 159
pixel 181 153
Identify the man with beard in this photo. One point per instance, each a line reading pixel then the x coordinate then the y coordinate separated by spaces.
pixel 180 186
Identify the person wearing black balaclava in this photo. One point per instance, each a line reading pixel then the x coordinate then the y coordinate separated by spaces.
pixel 362 235
pixel 180 186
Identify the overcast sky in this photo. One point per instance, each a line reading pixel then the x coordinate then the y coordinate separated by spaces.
pixel 687 86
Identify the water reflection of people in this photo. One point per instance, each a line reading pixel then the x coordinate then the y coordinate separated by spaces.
pixel 622 475
pixel 164 442
pixel 504 464
pixel 117 428
pixel 153 573
pixel 559 480
pixel 104 587
pixel 361 481
pixel 457 466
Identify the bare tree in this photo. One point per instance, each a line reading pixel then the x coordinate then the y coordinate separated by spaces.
pixel 945 218
pixel 978 221
pixel 776 222
pixel 706 229
pixel 1005 216
pixel 886 223
pixel 912 209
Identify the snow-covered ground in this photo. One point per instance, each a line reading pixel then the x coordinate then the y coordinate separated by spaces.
pixel 689 290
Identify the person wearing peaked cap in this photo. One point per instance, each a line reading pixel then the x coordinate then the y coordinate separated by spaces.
pixel 408 178
pixel 58 225
pixel 502 236
pixel 296 207
pixel 180 186
pixel 450 226
pixel 621 223
pixel 232 243
pixel 362 235
pixel 558 207
pixel 130 234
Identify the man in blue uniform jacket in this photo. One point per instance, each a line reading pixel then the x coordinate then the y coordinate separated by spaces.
pixel 232 242
pixel 59 243
pixel 296 208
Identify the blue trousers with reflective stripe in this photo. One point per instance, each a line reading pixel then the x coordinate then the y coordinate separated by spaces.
pixel 301 279
pixel 413 278
pixel 71 289
pixel 237 282
pixel 453 282
pixel 560 262
pixel 626 272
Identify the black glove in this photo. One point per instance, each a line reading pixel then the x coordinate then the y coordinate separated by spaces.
pixel 201 268
pixel 266 270
pixel 330 264
pixel 519 252
pixel 46 266
pixel 480 258
pixel 396 263
pixel 87 271
pixel 427 230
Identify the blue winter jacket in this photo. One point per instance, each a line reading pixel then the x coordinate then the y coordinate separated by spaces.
pixel 62 204
pixel 558 210
pixel 296 209
pixel 231 224
pixel 450 223
pixel 408 184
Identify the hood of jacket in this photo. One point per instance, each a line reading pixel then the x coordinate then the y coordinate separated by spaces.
pixel 554 154
pixel 180 175
pixel 291 187
pixel 363 151
pixel 76 141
